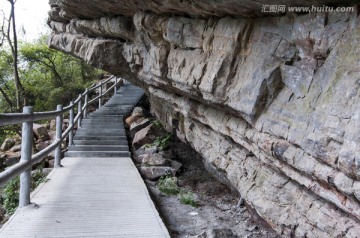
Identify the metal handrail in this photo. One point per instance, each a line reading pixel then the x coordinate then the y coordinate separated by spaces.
pixel 23 167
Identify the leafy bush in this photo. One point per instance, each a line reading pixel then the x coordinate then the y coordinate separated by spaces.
pixel 161 142
pixel 38 177
pixel 157 124
pixel 187 198
pixel 10 196
pixel 168 185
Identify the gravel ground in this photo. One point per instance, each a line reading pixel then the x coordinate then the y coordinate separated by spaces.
pixel 218 208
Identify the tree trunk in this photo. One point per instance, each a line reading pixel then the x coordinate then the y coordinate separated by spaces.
pixel 7 99
pixel 14 50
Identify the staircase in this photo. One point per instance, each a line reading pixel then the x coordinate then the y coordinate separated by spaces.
pixel 93 196
pixel 102 132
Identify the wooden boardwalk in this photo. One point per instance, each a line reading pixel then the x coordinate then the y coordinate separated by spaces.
pixel 90 196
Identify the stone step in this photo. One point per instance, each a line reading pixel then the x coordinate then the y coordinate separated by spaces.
pixel 97 125
pixel 102 132
pixel 97 154
pixel 94 133
pixel 101 142
pixel 104 138
pixel 115 108
pixel 100 129
pixel 124 148
pixel 101 115
pixel 107 115
pixel 115 104
pixel 103 119
pixel 111 111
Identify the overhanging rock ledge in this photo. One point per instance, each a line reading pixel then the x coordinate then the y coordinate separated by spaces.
pixel 271 102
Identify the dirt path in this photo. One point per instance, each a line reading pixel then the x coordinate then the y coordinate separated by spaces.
pixel 218 210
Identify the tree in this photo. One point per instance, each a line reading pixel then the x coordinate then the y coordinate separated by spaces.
pixel 5 75
pixel 51 77
pixel 13 44
pixel 45 58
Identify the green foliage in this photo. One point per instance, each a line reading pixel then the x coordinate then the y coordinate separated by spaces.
pixel 49 77
pixel 168 185
pixel 161 142
pixel 53 77
pixel 157 124
pixel 5 65
pixel 38 177
pixel 187 197
pixel 10 196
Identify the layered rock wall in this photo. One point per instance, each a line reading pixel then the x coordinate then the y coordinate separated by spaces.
pixel 272 103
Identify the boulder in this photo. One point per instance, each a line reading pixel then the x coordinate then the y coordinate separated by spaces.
pixel 2 161
pixel 42 145
pixel 175 165
pixel 137 125
pixel 136 115
pixel 155 172
pixel 357 190
pixel 139 152
pixel 52 125
pixel 65 124
pixel 144 136
pixel 15 148
pixel 13 158
pixel 40 132
pixel 7 144
pixel 139 158
pixel 167 154
pixel 155 160
pixel 217 233
pixel 2 156
pixel 150 150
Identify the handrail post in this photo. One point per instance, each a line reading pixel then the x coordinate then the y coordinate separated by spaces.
pixel 115 88
pixel 100 94
pixel 26 152
pixel 71 123
pixel 86 102
pixel 59 122
pixel 79 111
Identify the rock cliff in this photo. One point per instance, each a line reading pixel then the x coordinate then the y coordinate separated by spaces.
pixel 272 102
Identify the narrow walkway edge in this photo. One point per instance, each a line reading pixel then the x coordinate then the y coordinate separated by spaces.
pixel 91 196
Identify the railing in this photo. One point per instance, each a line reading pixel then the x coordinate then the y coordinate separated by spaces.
pixel 23 167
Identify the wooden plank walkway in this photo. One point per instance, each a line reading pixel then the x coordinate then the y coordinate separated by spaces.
pixel 90 196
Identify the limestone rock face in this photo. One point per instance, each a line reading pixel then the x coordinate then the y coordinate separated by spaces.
pixel 272 103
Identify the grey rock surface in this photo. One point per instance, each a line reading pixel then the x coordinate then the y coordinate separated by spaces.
pixel 70 9
pixel 155 172
pixel 271 103
pixel 7 144
pixel 15 148
pixel 217 233
pixel 138 125
pixel 142 137
pixel 40 132
pixel 155 160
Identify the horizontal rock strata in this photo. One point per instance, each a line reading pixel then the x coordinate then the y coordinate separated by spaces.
pixel 272 103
